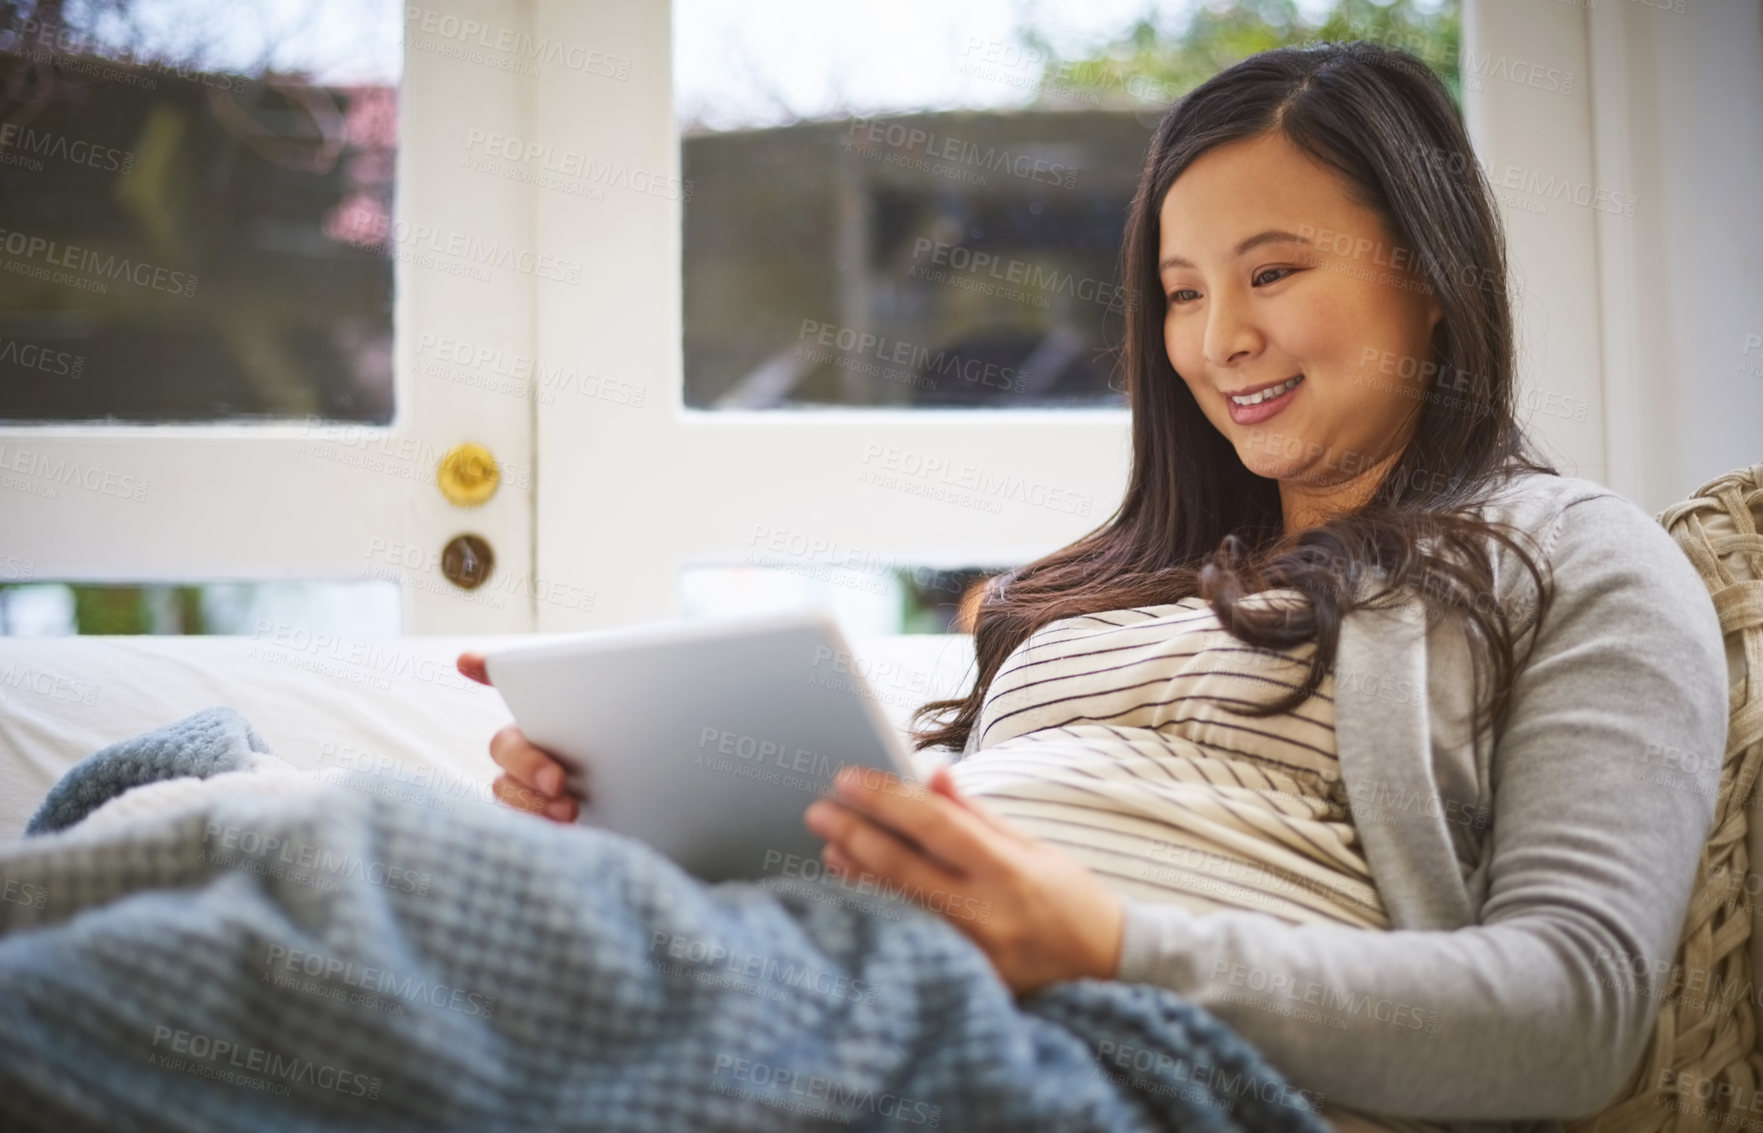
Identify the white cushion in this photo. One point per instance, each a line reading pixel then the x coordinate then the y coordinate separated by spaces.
pixel 396 707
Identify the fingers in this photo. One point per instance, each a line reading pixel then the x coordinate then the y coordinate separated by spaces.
pixel 947 829
pixel 836 860
pixel 854 844
pixel 516 755
pixel 535 782
pixel 521 797
pixel 518 795
pixel 472 665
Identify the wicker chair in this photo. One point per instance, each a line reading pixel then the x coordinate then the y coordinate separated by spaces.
pixel 1707 1029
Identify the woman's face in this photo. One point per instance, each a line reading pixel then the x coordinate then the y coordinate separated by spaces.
pixel 1271 273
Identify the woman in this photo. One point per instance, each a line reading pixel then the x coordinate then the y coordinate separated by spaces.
pixel 1344 724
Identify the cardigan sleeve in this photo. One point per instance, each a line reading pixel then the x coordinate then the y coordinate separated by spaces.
pixel 1603 784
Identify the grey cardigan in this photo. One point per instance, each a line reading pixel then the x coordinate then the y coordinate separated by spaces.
pixel 1536 886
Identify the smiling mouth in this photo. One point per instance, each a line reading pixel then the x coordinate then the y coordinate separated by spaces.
pixel 1266 394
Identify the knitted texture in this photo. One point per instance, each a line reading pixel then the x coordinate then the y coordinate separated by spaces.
pixel 206 743
pixel 342 961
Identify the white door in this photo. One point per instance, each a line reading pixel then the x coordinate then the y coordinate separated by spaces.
pixel 300 498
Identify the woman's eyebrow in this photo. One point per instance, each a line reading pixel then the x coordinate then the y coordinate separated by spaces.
pixel 1271 236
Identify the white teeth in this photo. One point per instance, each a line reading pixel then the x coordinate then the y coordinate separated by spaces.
pixel 1258 398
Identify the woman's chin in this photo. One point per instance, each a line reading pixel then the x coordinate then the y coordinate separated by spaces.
pixel 1259 463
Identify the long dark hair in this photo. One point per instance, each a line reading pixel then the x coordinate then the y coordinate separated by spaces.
pixel 1195 520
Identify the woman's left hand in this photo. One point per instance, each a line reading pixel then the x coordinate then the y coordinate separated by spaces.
pixel 1034 910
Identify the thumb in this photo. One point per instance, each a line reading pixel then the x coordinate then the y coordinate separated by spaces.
pixel 472 665
pixel 943 783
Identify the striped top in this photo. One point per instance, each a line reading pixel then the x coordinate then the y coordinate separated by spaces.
pixel 1111 736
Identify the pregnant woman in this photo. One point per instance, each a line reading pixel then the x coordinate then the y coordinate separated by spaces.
pixel 1346 724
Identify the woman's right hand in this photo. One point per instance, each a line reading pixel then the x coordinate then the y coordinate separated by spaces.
pixel 533 780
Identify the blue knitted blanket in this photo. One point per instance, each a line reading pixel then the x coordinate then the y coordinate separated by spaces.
pixel 346 962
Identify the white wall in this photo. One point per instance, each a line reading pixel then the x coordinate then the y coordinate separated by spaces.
pixel 1654 319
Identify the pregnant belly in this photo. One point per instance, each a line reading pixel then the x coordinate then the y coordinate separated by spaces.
pixel 1167 820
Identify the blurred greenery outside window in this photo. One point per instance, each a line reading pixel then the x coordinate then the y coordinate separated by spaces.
pixel 198 201
pixel 196 196
pixel 842 252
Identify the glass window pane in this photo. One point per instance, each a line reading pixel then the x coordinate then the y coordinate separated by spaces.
pixel 864 602
pixel 342 610
pixel 921 203
pixel 195 192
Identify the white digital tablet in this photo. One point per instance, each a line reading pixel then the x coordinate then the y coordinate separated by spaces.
pixel 707 740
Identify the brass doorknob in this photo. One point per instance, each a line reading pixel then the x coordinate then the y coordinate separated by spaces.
pixel 468 475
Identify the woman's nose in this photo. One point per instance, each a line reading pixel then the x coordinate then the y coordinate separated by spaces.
pixel 1230 336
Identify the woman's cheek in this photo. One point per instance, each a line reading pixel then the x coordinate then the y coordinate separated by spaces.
pixel 1174 347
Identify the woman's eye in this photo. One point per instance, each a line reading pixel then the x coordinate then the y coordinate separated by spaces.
pixel 1176 296
pixel 1281 272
